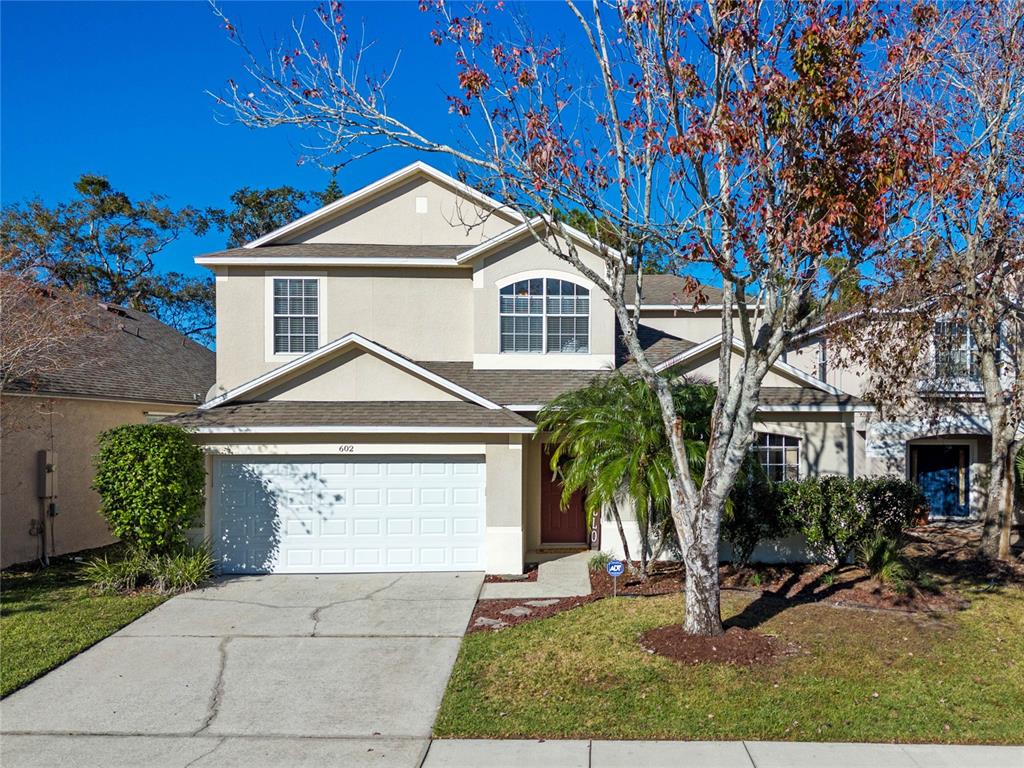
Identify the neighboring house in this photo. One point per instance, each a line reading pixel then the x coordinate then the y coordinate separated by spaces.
pixel 123 367
pixel 378 365
pixel 940 437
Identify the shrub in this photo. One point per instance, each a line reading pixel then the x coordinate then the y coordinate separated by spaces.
pixel 181 571
pixel 166 573
pixel 150 478
pixel 882 557
pixel 836 515
pixel 599 561
pixel 755 513
pixel 118 575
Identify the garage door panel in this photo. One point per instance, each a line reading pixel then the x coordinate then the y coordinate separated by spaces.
pixel 355 515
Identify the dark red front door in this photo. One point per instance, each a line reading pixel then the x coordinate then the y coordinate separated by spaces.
pixel 558 525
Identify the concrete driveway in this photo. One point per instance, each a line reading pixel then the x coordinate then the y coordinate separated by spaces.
pixel 255 671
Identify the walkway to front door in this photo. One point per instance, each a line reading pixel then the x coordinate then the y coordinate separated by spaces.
pixel 944 474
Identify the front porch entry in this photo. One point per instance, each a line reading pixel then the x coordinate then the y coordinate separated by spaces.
pixel 944 473
pixel 560 526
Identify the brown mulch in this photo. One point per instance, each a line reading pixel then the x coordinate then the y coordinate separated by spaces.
pixel 529 575
pixel 947 552
pixel 737 646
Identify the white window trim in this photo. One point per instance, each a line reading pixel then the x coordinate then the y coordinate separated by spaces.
pixel 758 450
pixel 268 312
pixel 548 275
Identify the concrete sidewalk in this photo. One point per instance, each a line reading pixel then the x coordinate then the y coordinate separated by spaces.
pixel 714 754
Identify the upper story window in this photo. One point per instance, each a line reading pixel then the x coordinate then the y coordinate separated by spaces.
pixel 956 353
pixel 545 314
pixel 779 455
pixel 296 315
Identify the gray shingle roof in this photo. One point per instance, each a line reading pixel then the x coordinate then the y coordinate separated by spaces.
pixel 129 355
pixel 346 250
pixel 286 413
pixel 803 396
pixel 670 289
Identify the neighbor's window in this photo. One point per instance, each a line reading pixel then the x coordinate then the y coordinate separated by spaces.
pixel 779 455
pixel 545 315
pixel 956 354
pixel 296 315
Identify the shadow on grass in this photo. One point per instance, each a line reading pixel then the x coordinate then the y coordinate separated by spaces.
pixel 771 603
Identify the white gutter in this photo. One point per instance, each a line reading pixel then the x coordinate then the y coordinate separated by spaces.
pixel 329 429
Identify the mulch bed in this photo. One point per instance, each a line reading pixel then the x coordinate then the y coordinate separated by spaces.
pixel 530 575
pixel 947 552
pixel 737 646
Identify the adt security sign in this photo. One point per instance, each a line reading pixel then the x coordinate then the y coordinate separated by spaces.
pixel 615 569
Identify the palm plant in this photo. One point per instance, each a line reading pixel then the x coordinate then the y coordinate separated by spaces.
pixel 608 439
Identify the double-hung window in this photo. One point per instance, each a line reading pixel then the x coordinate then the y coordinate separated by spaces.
pixel 296 315
pixel 779 455
pixel 545 315
pixel 956 354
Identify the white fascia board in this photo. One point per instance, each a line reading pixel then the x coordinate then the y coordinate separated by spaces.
pixel 524 407
pixel 349 339
pixel 351 429
pixel 823 408
pixel 511 235
pixel 326 261
pixel 416 168
pixel 737 346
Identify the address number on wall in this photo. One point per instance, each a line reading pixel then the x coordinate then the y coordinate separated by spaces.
pixel 346 448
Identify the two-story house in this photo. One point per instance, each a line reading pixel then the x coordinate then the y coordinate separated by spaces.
pixel 378 365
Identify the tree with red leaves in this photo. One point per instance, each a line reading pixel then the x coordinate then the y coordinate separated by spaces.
pixel 768 143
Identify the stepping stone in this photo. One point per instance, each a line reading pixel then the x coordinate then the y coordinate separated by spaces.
pixel 542 603
pixel 483 621
pixel 517 610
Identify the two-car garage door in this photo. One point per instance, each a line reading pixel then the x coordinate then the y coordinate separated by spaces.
pixel 367 514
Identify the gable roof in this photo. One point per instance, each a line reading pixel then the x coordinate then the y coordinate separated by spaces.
pixel 525 229
pixel 670 292
pixel 126 354
pixel 352 199
pixel 336 347
pixel 779 366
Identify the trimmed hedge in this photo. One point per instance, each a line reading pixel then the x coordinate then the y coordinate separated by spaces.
pixel 835 515
pixel 151 479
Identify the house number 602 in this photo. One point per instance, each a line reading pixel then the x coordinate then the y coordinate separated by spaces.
pixel 346 449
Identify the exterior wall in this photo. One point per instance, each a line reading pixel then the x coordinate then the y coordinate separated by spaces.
pixel 829 445
pixel 393 218
pixel 356 376
pixel 424 313
pixel 75 424
pixel 531 501
pixel 684 323
pixel 504 482
pixel 705 368
pixel 851 379
pixel 522 260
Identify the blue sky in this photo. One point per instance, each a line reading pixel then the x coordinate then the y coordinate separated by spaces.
pixel 119 89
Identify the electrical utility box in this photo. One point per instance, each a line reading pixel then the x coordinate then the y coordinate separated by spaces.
pixel 47 466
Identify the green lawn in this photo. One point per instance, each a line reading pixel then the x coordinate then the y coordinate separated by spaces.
pixel 48 616
pixel 861 676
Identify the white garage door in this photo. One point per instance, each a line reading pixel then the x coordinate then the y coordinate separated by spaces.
pixel 374 514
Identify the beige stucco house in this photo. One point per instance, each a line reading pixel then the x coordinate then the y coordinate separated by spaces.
pixel 378 365
pixel 125 367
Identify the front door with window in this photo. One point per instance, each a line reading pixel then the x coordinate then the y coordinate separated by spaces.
pixel 943 472
pixel 558 525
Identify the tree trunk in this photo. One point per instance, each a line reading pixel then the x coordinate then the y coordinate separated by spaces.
pixel 996 514
pixel 622 533
pixel 703 596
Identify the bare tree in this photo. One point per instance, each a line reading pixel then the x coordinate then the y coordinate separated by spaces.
pixel 40 328
pixel 766 143
pixel 947 312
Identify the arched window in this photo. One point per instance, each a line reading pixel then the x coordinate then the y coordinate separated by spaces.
pixel 545 315
pixel 779 455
